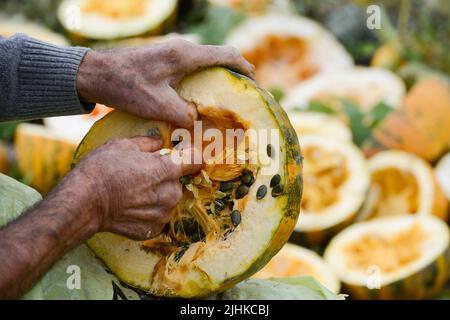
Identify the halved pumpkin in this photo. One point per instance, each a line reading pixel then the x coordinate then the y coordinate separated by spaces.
pixel 420 126
pixel 402 183
pixel 400 257
pixel 288 49
pixel 294 261
pixel 215 239
pixel 317 123
pixel 336 179
pixel 363 86
pixel 115 19
pixel 9 27
pixel 252 7
pixel 443 175
pixel 43 155
pixel 74 128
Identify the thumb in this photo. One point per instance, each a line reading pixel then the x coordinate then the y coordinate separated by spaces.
pixel 177 110
pixel 182 162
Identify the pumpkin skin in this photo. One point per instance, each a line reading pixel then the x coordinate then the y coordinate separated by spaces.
pixel 422 281
pixel 295 261
pixel 222 89
pixel 43 158
pixel 425 284
pixel 3 158
pixel 421 126
pixel 155 18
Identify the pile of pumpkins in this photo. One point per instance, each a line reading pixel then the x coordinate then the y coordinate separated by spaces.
pixel 373 216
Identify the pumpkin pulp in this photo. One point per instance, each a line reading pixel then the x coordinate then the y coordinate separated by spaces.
pixel 204 213
pixel 324 172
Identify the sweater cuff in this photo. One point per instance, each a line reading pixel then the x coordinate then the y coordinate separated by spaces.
pixel 47 80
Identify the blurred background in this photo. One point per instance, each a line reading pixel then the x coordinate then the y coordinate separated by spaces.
pixel 365 85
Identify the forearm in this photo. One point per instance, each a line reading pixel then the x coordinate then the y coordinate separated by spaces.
pixel 31 244
pixel 38 80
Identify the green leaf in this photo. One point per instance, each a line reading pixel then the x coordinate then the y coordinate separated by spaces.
pixel 316 106
pixel 378 113
pixel 277 93
pixel 217 24
pixel 360 132
pixel 7 130
pixel 293 288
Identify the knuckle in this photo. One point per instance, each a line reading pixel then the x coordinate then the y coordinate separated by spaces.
pixel 233 52
pixel 118 143
pixel 175 194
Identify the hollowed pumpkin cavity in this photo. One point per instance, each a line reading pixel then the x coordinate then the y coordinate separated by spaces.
pixel 396 192
pixel 387 252
pixel 281 61
pixel 324 172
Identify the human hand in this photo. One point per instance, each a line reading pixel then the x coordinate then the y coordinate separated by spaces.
pixel 142 80
pixel 134 186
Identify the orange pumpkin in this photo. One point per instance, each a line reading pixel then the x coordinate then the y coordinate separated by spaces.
pixel 3 158
pixel 421 127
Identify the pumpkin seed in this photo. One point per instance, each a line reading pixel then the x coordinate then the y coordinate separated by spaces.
pixel 206 177
pixel 177 141
pixel 190 226
pixel 180 252
pixel 276 179
pixel 219 205
pixel 197 180
pixel 164 152
pixel 219 194
pixel 185 180
pixel 247 177
pixel 192 189
pixel 241 191
pixel 261 192
pixel 226 186
pixel 154 132
pixel 212 208
pixel 270 150
pixel 235 217
pixel 277 190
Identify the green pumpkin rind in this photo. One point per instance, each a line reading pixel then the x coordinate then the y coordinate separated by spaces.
pixel 424 284
pixel 289 201
pixel 311 239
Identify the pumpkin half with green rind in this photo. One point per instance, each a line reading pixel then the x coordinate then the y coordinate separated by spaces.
pixel 399 257
pixel 336 180
pixel 214 259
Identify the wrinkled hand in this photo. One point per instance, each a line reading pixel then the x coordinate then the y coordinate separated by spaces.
pixel 142 80
pixel 134 186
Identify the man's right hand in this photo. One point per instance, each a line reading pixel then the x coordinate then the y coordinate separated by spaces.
pixel 134 186
pixel 142 80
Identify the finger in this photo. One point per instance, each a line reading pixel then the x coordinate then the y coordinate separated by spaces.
pixel 182 162
pixel 156 215
pixel 139 143
pixel 138 230
pixel 176 110
pixel 147 144
pixel 219 56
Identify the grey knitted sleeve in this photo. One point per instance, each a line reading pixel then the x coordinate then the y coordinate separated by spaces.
pixel 38 80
